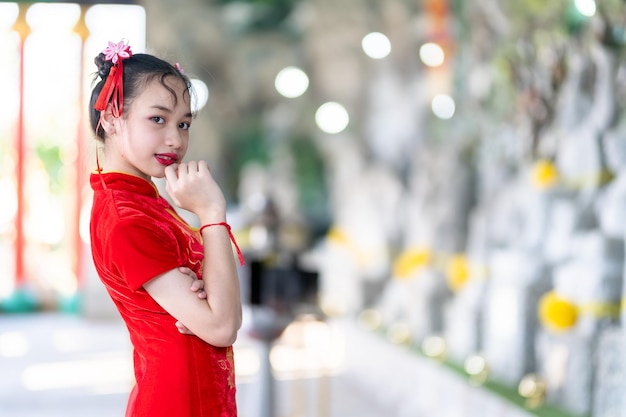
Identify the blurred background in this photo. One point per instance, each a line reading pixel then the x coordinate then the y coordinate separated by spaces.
pixel 430 194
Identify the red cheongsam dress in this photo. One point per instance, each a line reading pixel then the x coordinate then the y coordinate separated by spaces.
pixel 136 236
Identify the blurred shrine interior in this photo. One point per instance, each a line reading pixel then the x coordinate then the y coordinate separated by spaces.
pixel 428 193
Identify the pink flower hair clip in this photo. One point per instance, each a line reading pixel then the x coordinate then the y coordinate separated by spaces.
pixel 179 68
pixel 113 89
pixel 117 51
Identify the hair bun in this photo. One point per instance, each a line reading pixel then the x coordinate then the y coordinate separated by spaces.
pixel 104 67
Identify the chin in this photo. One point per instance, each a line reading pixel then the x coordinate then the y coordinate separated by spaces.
pixel 155 172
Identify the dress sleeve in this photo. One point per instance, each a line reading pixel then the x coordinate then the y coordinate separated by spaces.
pixel 141 251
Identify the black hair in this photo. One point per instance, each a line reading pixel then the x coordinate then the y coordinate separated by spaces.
pixel 139 71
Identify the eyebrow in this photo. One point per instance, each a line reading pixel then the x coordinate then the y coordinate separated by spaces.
pixel 168 110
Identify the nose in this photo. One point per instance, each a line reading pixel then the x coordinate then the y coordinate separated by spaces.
pixel 174 139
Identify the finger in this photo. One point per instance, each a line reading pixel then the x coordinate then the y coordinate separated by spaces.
pixel 182 170
pixel 192 166
pixel 182 328
pixel 202 294
pixel 187 271
pixel 203 167
pixel 197 285
pixel 171 173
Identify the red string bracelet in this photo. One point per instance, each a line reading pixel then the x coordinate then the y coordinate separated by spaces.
pixel 232 238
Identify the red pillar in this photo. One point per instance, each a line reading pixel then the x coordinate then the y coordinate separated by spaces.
pixel 80 180
pixel 22 29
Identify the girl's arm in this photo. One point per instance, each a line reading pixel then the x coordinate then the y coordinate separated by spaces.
pixel 217 318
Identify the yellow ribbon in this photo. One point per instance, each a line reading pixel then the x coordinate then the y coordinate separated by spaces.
pixel 592 179
pixel 545 175
pixel 457 272
pixel 601 309
pixel 559 314
pixel 410 261
pixel 456 267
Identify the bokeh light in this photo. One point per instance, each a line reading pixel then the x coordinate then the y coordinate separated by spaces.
pixel 376 45
pixel 586 7
pixel 201 91
pixel 432 54
pixel 332 117
pixel 291 82
pixel 443 106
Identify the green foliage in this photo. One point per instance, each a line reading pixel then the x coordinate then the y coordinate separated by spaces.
pixel 310 179
pixel 249 143
pixel 50 157
pixel 268 14
pixel 244 143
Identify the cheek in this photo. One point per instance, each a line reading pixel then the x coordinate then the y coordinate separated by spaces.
pixel 185 146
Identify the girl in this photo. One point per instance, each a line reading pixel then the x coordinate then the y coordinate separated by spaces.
pixel 183 358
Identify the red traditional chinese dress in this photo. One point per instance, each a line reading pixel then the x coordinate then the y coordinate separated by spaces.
pixel 135 236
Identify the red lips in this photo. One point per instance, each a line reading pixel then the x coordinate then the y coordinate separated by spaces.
pixel 166 159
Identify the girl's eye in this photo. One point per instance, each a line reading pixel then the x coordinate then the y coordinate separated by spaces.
pixel 158 119
pixel 184 125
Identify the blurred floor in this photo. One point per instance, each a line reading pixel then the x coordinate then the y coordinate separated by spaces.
pixel 60 365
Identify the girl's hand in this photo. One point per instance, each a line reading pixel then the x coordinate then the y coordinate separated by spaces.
pixel 197 286
pixel 182 329
pixel 193 188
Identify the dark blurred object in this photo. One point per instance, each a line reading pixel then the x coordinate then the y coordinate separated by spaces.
pixel 283 289
pixel 277 293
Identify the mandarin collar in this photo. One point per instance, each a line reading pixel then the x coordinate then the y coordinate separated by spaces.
pixel 124 182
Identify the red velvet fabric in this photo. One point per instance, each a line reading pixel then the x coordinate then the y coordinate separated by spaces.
pixel 136 236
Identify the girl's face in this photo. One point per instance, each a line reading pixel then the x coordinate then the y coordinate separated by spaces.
pixel 153 133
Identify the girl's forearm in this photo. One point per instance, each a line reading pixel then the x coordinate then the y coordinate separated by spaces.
pixel 221 281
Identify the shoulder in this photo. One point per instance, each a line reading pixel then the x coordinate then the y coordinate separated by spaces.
pixel 117 205
pixel 138 250
pixel 119 218
pixel 139 230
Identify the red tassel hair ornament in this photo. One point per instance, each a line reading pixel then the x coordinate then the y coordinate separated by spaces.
pixel 113 89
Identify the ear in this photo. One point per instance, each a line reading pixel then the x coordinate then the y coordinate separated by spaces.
pixel 108 121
